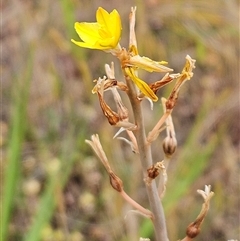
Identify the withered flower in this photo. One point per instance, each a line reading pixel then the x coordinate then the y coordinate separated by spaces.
pixel 183 77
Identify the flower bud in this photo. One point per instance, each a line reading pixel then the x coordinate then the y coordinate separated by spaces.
pixel 169 145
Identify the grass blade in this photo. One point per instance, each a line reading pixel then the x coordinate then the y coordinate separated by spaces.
pixel 18 128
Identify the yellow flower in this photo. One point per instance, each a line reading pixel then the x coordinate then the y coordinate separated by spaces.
pixel 103 34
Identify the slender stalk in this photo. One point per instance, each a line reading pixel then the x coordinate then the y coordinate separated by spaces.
pixel 141 209
pixel 146 161
pixel 152 133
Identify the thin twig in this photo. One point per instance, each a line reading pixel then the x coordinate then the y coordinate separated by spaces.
pixel 141 209
pixel 153 134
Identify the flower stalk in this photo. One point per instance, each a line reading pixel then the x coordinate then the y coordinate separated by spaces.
pixel 105 35
pixel 193 228
pixel 146 161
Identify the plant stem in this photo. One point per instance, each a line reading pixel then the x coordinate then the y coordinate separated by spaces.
pixel 152 133
pixel 136 205
pixel 146 161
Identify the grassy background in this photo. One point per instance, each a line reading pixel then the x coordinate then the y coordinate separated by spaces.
pixel 52 186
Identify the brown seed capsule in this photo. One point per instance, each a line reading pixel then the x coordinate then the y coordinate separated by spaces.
pixel 193 230
pixel 116 182
pixel 171 102
pixel 169 145
pixel 153 172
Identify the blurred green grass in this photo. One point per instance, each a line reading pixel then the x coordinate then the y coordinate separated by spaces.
pixel 51 111
pixel 18 127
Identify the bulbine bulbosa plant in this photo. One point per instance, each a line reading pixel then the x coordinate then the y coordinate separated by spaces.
pixel 105 35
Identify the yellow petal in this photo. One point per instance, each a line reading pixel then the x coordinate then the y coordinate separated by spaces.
pixel 115 26
pixel 88 32
pixel 86 45
pixel 110 27
pixel 109 43
pixel 145 89
pixel 102 16
pixel 148 64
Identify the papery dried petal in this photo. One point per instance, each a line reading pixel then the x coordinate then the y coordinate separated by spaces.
pixel 112 116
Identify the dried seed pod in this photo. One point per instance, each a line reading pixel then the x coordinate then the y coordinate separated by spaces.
pixel 153 172
pixel 169 145
pixel 193 230
pixel 116 182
